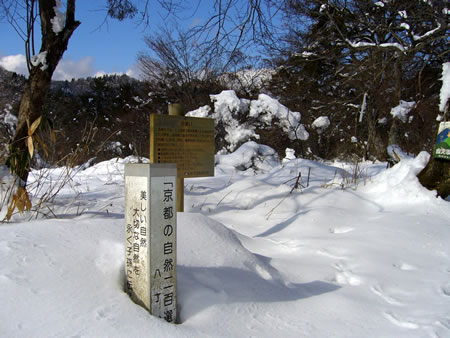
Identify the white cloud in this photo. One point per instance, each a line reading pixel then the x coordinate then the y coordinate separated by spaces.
pixel 134 72
pixel 67 68
pixel 15 63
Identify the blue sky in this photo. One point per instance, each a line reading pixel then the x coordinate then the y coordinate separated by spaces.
pixel 97 48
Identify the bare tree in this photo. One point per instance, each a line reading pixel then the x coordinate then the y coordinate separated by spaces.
pixel 234 29
pixel 235 25
pixel 57 23
pixel 177 56
pixel 370 55
pixel 56 30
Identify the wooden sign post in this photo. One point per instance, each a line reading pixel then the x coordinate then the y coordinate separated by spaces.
pixel 442 145
pixel 177 109
pixel 186 141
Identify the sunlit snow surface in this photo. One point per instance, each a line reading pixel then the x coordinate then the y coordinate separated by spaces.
pixel 255 256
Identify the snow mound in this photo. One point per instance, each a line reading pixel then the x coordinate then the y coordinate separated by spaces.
pixel 200 112
pixel 400 184
pixel 224 249
pixel 114 166
pixel 255 257
pixel 58 21
pixel 250 155
pixel 267 108
pixel 290 155
pixel 226 102
pixel 396 152
pixel 215 268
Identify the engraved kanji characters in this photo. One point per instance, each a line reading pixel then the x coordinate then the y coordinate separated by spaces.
pixel 168 191
pixel 136 230
pixel 166 296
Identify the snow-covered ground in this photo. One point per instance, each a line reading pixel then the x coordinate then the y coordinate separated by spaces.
pixel 255 256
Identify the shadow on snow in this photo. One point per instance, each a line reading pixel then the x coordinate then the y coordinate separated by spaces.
pixel 202 287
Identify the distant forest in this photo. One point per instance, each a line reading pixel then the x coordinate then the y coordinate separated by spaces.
pixel 358 63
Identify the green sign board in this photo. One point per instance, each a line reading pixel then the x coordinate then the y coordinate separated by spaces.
pixel 442 145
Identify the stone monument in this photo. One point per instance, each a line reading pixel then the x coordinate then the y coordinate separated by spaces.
pixel 150 237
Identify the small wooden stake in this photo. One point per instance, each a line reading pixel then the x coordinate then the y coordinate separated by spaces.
pixel 176 109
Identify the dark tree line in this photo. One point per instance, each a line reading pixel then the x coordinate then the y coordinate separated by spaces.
pixel 350 60
pixel 354 61
pixel 341 54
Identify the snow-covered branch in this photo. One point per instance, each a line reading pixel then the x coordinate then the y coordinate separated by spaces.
pixel 388 45
pixel 427 34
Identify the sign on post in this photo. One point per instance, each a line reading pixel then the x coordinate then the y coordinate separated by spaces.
pixel 442 145
pixel 186 141
pixel 150 237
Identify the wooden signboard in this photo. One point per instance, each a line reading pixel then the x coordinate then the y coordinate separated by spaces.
pixel 186 141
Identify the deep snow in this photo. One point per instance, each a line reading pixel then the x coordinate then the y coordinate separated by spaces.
pixel 255 257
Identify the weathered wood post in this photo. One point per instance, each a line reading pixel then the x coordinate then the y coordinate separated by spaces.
pixel 177 109
pixel 150 238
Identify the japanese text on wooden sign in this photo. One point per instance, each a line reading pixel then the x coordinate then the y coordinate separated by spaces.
pixel 186 141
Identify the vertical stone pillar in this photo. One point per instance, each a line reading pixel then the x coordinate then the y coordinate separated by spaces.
pixel 150 237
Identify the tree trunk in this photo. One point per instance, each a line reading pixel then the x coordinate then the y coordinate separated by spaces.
pixel 31 106
pixel 377 147
pixel 35 92
pixel 436 176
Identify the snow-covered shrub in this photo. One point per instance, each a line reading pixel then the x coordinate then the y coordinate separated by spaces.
pixel 351 176
pixel 250 155
pixel 290 155
pixel 402 110
pixel 240 120
pixel 227 115
pixel 8 123
pixel 7 188
pixel 320 124
pixel 114 147
pixel 267 110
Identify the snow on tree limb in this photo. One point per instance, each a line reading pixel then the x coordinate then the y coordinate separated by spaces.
pixel 445 89
pixel 427 34
pixel 390 45
pixel 58 20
